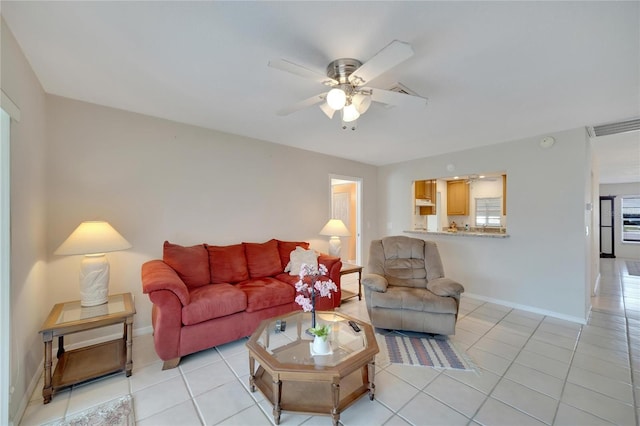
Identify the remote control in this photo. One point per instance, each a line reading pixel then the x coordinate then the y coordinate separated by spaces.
pixel 354 326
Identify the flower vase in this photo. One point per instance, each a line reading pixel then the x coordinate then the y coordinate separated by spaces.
pixel 321 346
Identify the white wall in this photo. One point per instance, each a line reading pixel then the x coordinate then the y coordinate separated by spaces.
pixel 625 250
pixel 30 301
pixel 154 179
pixel 542 265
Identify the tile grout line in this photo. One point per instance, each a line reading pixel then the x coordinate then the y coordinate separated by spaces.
pixel 503 376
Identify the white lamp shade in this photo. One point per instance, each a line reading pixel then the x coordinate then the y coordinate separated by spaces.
pixel 93 237
pixel 336 98
pixel 327 110
pixel 335 228
pixel 350 113
pixel 362 102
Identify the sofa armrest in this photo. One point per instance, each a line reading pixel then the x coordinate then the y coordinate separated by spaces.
pixel 445 287
pixel 333 264
pixel 157 275
pixel 375 282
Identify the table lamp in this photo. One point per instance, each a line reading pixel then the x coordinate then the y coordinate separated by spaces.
pixel 335 228
pixel 93 239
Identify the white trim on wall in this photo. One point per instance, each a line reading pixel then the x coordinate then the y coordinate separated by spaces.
pixel 9 106
pixel 5 263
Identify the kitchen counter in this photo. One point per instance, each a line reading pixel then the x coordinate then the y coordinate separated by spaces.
pixel 460 233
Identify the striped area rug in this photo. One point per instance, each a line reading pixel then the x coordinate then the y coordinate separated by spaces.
pixel 425 350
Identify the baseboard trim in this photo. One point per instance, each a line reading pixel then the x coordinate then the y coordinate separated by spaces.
pixel 527 308
pixel 596 287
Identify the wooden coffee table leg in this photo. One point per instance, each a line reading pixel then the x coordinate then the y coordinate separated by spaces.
pixel 277 394
pixel 47 389
pixel 335 411
pixel 372 373
pixel 252 377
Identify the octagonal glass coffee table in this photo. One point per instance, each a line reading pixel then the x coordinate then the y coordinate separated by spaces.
pixel 293 379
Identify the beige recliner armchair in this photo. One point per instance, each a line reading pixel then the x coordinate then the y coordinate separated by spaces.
pixel 405 288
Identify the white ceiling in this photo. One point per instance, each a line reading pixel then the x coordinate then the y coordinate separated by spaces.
pixel 492 71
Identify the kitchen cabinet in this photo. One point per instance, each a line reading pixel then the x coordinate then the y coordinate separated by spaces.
pixel 504 195
pixel 426 190
pixel 457 198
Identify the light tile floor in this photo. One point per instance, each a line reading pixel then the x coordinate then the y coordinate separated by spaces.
pixel 532 370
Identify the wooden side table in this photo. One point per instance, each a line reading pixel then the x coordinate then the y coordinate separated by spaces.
pixel 349 268
pixel 90 362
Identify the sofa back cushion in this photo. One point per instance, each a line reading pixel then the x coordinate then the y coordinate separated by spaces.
pixel 285 248
pixel 228 264
pixel 191 263
pixel 263 260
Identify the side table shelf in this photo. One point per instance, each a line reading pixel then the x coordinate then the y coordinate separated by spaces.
pixel 89 362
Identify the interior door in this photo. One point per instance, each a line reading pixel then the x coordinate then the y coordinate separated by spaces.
pixel 607 247
pixel 345 205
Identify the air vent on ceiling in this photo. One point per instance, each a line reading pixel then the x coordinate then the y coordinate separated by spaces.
pixel 401 88
pixel 614 128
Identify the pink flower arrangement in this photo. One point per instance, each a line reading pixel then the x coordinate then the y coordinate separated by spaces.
pixel 310 284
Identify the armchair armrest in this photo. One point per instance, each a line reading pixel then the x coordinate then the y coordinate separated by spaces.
pixel 445 287
pixel 375 282
pixel 157 275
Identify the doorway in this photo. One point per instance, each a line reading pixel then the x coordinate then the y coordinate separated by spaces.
pixel 346 202
pixel 607 232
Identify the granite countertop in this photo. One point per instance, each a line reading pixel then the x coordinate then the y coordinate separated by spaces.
pixel 460 233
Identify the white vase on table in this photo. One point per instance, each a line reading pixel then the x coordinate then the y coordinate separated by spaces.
pixel 321 346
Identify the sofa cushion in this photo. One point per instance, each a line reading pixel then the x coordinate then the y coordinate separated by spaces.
pixel 213 301
pixel 263 259
pixel 413 299
pixel 266 292
pixel 228 264
pixel 191 263
pixel 301 256
pixel 285 248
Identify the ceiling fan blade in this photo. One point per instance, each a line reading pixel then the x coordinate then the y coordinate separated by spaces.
pixel 290 67
pixel 396 99
pixel 303 104
pixel 390 56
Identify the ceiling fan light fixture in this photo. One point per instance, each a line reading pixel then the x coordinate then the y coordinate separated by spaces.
pixel 350 113
pixel 362 102
pixel 328 111
pixel 336 98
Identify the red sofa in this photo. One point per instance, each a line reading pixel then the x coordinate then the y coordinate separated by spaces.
pixel 205 295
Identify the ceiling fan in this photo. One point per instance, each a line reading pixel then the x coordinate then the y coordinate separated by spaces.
pixel 348 79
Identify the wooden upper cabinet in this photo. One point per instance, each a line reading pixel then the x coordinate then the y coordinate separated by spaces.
pixel 504 195
pixel 457 198
pixel 426 190
pixel 419 184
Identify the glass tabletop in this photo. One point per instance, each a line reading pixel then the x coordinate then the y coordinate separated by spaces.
pixel 293 345
pixel 72 311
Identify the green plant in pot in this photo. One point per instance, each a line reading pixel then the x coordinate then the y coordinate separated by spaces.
pixel 321 345
pixel 321 331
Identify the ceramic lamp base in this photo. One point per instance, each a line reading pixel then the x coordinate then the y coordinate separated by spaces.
pixel 335 245
pixel 94 280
